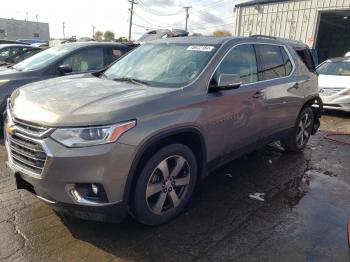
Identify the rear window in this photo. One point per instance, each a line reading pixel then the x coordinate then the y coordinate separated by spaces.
pixel 306 56
pixel 334 68
pixel 275 62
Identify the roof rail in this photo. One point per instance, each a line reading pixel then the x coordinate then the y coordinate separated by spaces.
pixel 264 36
pixel 286 40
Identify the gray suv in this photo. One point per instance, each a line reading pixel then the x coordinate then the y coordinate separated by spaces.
pixel 137 137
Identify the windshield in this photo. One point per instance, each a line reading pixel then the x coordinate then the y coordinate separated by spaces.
pixel 44 58
pixel 162 64
pixel 335 68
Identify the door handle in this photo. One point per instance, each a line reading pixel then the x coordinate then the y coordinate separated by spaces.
pixel 259 94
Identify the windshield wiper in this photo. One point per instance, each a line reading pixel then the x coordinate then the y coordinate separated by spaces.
pixel 132 80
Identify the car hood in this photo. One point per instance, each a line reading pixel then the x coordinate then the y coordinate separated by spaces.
pixel 331 81
pixel 84 100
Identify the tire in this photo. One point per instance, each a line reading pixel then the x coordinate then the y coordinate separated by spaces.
pixel 300 136
pixel 161 195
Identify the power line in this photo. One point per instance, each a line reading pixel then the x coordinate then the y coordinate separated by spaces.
pixel 157 13
pixel 156 23
pixel 147 22
pixel 214 26
pixel 214 4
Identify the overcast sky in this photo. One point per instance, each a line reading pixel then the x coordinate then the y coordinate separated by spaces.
pixel 79 16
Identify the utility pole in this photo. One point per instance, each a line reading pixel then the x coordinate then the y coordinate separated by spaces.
pixel 26 16
pixel 187 16
pixel 93 31
pixel 131 14
pixel 63 28
pixel 37 17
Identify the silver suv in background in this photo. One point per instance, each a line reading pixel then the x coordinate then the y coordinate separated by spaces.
pixel 138 136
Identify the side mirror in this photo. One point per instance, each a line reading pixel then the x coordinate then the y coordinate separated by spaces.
pixel 65 69
pixel 228 81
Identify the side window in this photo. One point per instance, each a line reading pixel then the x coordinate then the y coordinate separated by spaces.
pixel 4 53
pixel 306 56
pixel 85 60
pixel 113 54
pixel 241 60
pixel 272 62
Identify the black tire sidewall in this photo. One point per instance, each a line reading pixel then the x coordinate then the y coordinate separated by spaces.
pixel 140 207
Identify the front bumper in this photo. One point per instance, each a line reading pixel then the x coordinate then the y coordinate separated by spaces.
pixel 336 102
pixel 106 165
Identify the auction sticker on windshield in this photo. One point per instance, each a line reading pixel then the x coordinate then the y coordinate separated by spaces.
pixel 202 48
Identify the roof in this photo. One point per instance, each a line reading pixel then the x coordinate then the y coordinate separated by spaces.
pixel 13 45
pixel 195 40
pixel 211 40
pixel 93 43
pixel 260 2
pixel 338 59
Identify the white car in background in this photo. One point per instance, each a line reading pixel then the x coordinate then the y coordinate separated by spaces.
pixel 334 83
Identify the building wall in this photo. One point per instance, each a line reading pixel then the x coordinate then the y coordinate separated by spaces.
pixel 292 19
pixel 12 29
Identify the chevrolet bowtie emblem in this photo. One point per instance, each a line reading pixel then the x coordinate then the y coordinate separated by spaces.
pixel 10 129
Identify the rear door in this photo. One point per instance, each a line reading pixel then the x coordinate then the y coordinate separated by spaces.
pixel 235 116
pixel 282 93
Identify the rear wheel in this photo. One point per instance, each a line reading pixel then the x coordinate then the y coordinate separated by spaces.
pixel 300 136
pixel 165 185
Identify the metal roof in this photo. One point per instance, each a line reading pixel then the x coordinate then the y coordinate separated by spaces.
pixel 259 2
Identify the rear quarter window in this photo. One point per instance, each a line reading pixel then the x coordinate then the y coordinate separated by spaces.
pixel 274 62
pixel 306 57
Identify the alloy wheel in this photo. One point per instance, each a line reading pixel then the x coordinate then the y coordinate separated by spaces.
pixel 168 184
pixel 304 130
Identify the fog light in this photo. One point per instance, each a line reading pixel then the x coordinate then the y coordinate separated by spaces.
pixel 94 189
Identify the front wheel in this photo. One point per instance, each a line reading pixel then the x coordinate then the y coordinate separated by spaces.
pixel 300 136
pixel 165 185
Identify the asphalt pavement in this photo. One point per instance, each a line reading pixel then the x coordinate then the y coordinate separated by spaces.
pixel 303 216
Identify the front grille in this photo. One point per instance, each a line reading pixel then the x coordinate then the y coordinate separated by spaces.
pixel 26 153
pixel 29 128
pixel 330 91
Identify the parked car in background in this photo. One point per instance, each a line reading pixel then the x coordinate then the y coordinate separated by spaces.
pixel 334 83
pixel 347 54
pixel 8 50
pixel 138 136
pixel 20 56
pixel 33 41
pixel 161 33
pixel 2 41
pixel 46 44
pixel 65 59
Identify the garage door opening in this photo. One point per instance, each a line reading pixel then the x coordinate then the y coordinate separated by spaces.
pixel 333 37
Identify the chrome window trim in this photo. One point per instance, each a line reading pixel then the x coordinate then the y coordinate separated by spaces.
pixel 256 43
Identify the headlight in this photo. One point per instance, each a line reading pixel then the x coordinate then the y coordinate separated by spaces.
pixel 2 82
pixel 90 136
